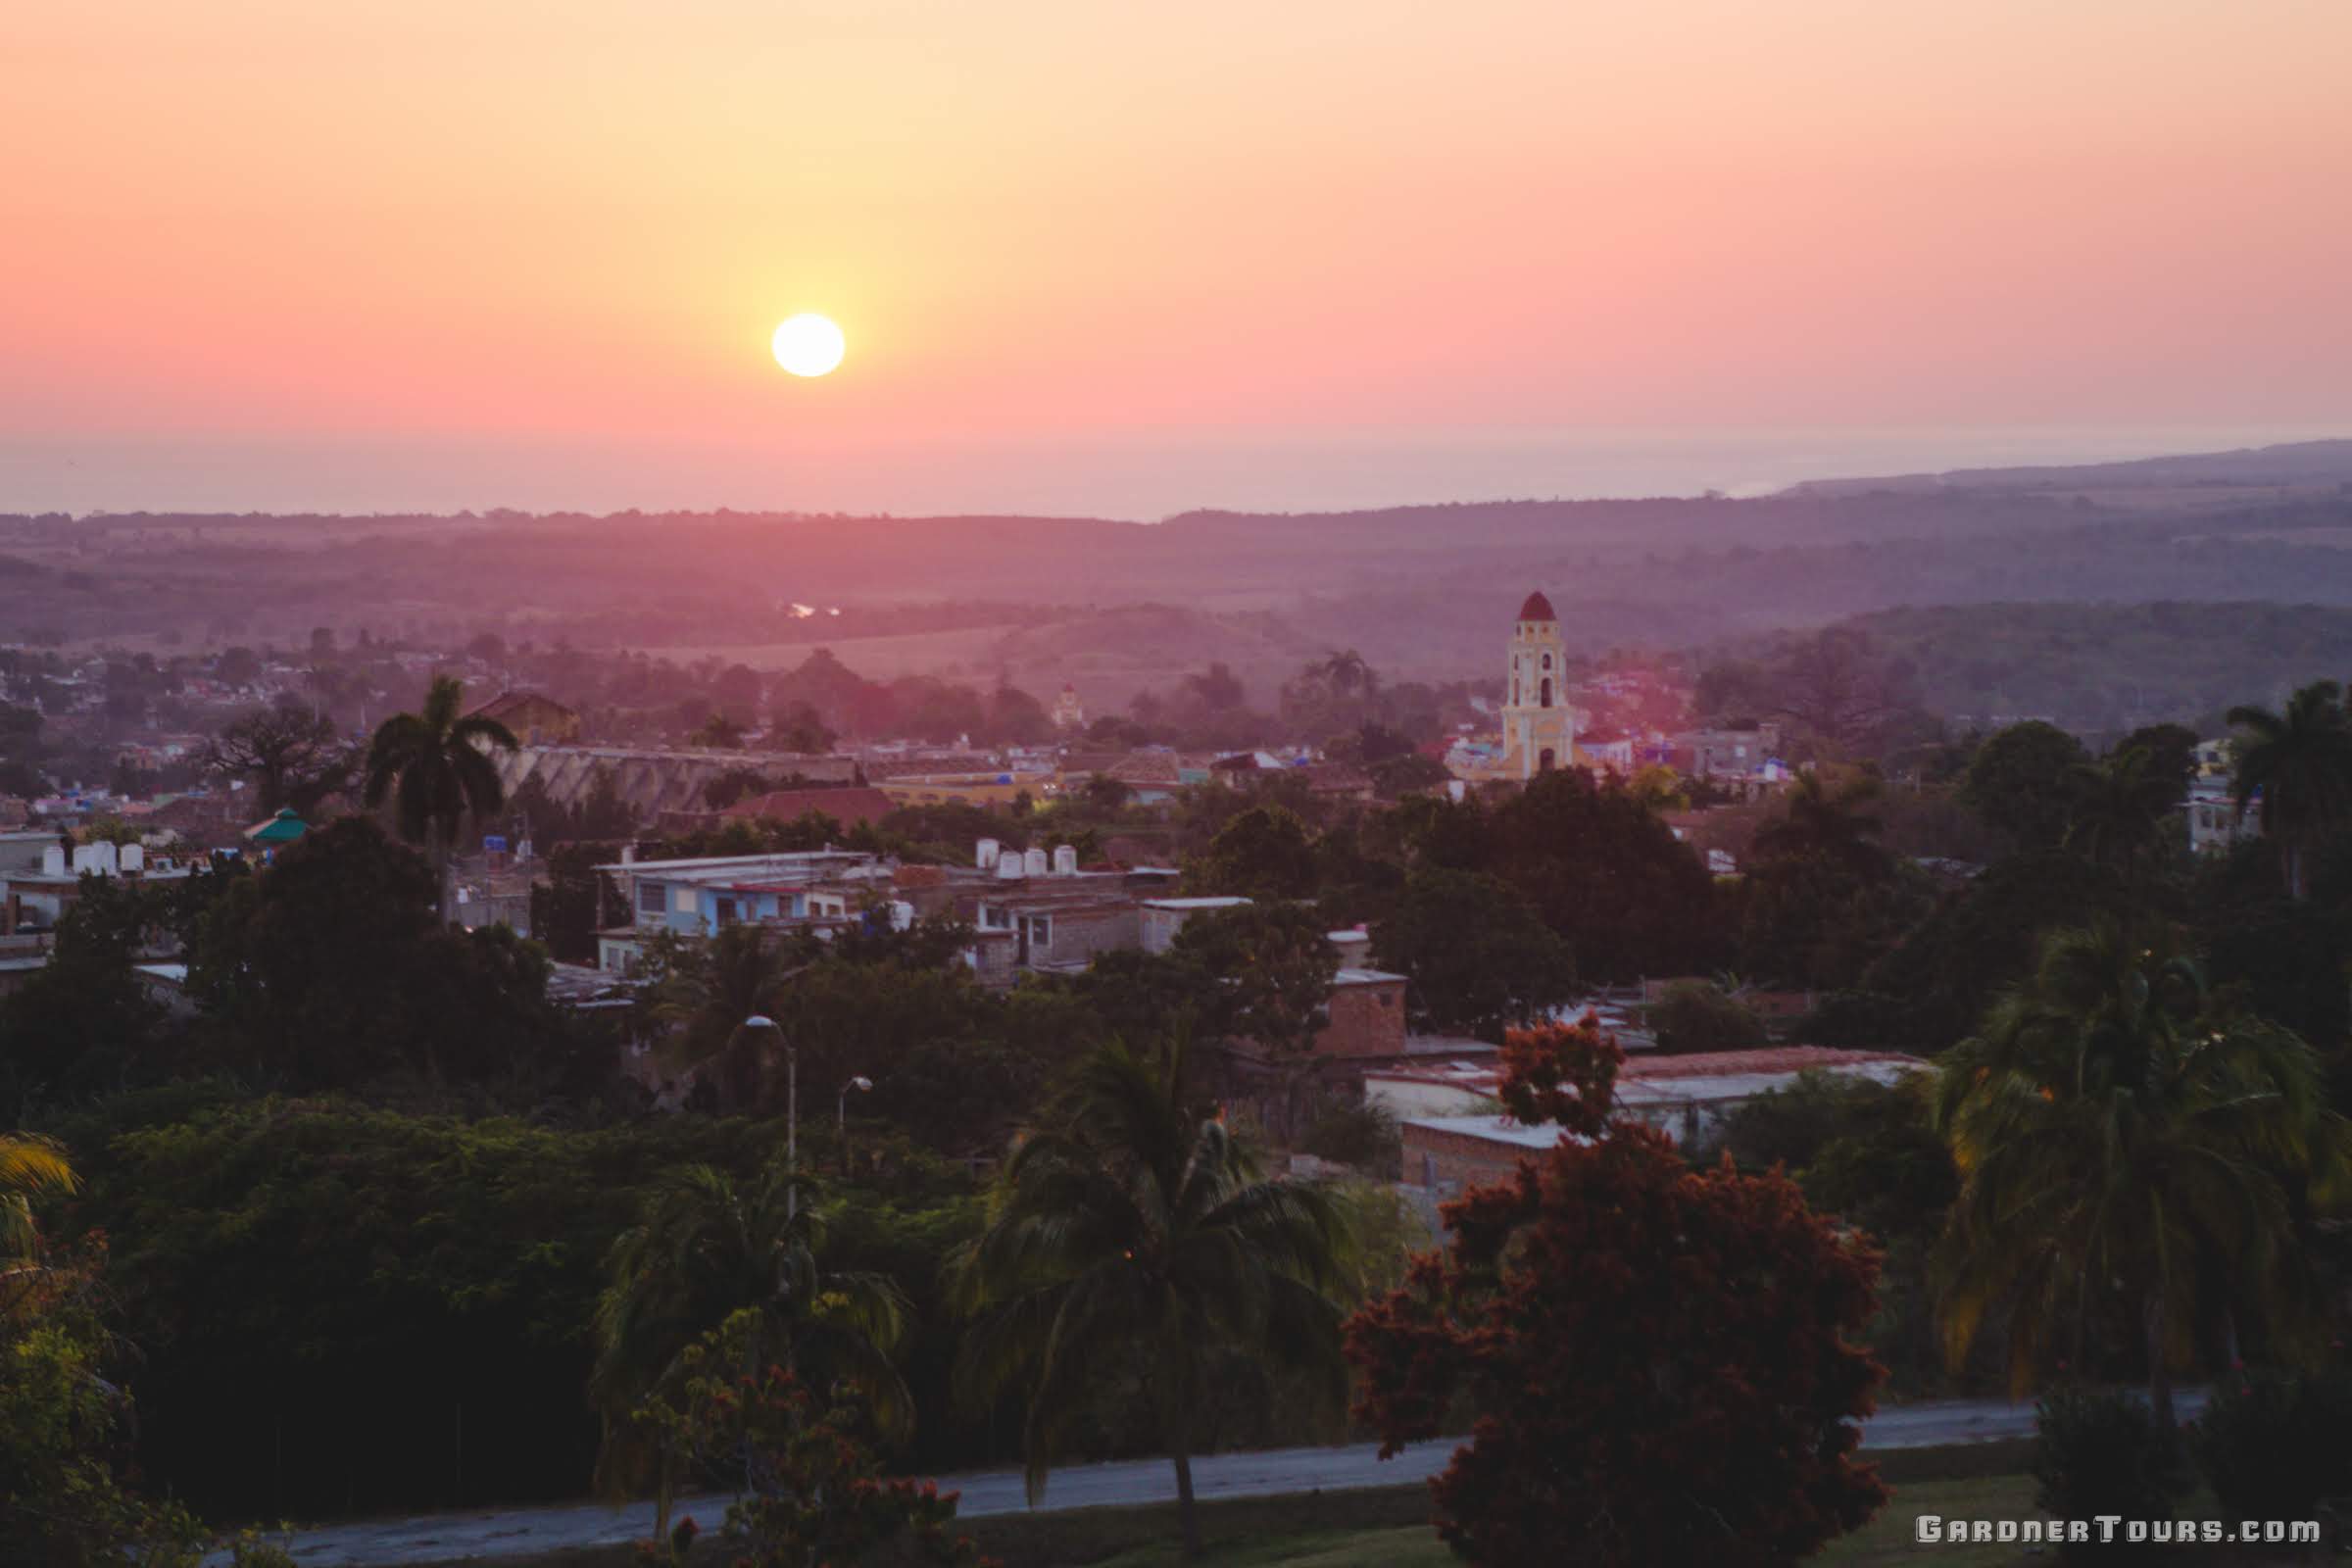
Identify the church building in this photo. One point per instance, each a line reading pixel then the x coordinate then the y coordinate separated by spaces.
pixel 1538 728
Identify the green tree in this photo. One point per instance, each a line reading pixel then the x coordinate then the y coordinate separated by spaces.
pixel 1264 852
pixel 1127 1231
pixel 1274 965
pixel 2122 803
pixel 708 991
pixel 1479 958
pixel 2294 768
pixel 2119 1139
pixel 707 1247
pixel 2021 782
pixel 86 1019
pixel 435 766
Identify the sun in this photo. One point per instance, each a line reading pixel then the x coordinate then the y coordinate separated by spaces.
pixel 809 344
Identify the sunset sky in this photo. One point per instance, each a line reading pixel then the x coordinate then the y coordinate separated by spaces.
pixel 1098 255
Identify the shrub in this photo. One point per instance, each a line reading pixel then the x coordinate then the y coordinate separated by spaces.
pixel 2272 1445
pixel 1697 1016
pixel 2102 1452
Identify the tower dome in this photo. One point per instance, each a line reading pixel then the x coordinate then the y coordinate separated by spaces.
pixel 1537 607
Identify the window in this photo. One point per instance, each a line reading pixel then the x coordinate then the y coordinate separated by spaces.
pixel 723 910
pixel 1038 931
pixel 1544 760
pixel 1547 664
pixel 1387 1001
pixel 652 899
pixel 1545 700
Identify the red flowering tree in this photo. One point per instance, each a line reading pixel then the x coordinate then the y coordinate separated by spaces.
pixel 1657 1358
pixel 810 1489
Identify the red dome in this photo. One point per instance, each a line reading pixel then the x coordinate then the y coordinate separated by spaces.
pixel 1537 607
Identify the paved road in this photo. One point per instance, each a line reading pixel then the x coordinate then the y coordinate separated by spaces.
pixel 514 1532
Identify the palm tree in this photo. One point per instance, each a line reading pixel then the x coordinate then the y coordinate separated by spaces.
pixel 2116 1134
pixel 30 1168
pixel 2297 764
pixel 436 767
pixel 2121 804
pixel 1827 824
pixel 708 1247
pixel 738 974
pixel 1131 1235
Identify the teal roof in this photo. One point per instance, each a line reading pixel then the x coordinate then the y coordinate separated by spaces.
pixel 283 828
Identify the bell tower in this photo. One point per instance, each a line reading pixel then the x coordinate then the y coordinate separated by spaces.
pixel 1539 733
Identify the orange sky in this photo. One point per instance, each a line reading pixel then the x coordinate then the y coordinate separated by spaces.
pixel 1088 226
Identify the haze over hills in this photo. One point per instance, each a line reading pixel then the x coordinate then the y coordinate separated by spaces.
pixel 1114 606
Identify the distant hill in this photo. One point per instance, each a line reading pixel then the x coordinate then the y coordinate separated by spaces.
pixel 2297 464
pixel 2102 668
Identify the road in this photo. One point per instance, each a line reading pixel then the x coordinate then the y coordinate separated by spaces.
pixel 492 1533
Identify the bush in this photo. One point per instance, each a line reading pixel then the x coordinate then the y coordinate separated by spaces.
pixel 2103 1453
pixel 1359 1134
pixel 1695 1016
pixel 2272 1445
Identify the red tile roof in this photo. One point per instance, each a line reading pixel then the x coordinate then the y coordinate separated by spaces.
pixel 1537 607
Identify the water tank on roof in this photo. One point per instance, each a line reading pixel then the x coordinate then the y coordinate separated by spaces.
pixel 134 858
pixel 901 914
pixel 1065 861
pixel 984 855
pixel 53 861
pixel 1008 867
pixel 1036 864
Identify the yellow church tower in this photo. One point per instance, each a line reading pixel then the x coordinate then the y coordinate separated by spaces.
pixel 1539 729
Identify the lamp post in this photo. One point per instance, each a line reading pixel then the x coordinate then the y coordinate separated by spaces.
pixel 841 1110
pixel 792 1111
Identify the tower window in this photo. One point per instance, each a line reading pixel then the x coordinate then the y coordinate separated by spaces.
pixel 1545 700
pixel 1547 664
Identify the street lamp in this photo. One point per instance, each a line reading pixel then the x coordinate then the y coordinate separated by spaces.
pixel 792 1110
pixel 841 1122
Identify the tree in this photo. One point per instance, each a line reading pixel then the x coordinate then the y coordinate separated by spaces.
pixel 86 1020
pixel 295 759
pixel 707 1247
pixel 1264 852
pixel 1660 1362
pixel 1821 823
pixel 329 969
pixel 1603 870
pixel 2122 803
pixel 1698 1015
pixel 2118 1139
pixel 2021 782
pixel 1274 963
pixel 1127 1230
pixel 807 1486
pixel 712 988
pixel 798 726
pixel 30 1168
pixel 435 766
pixel 2294 767
pixel 1216 689
pixel 1478 956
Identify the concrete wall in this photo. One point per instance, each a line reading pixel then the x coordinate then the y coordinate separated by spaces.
pixel 1367 1019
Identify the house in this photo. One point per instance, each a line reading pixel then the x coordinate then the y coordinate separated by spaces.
pixel 1160 920
pixel 35 898
pixel 699 896
pixel 1453 1103
pixel 533 718
pixel 2214 820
